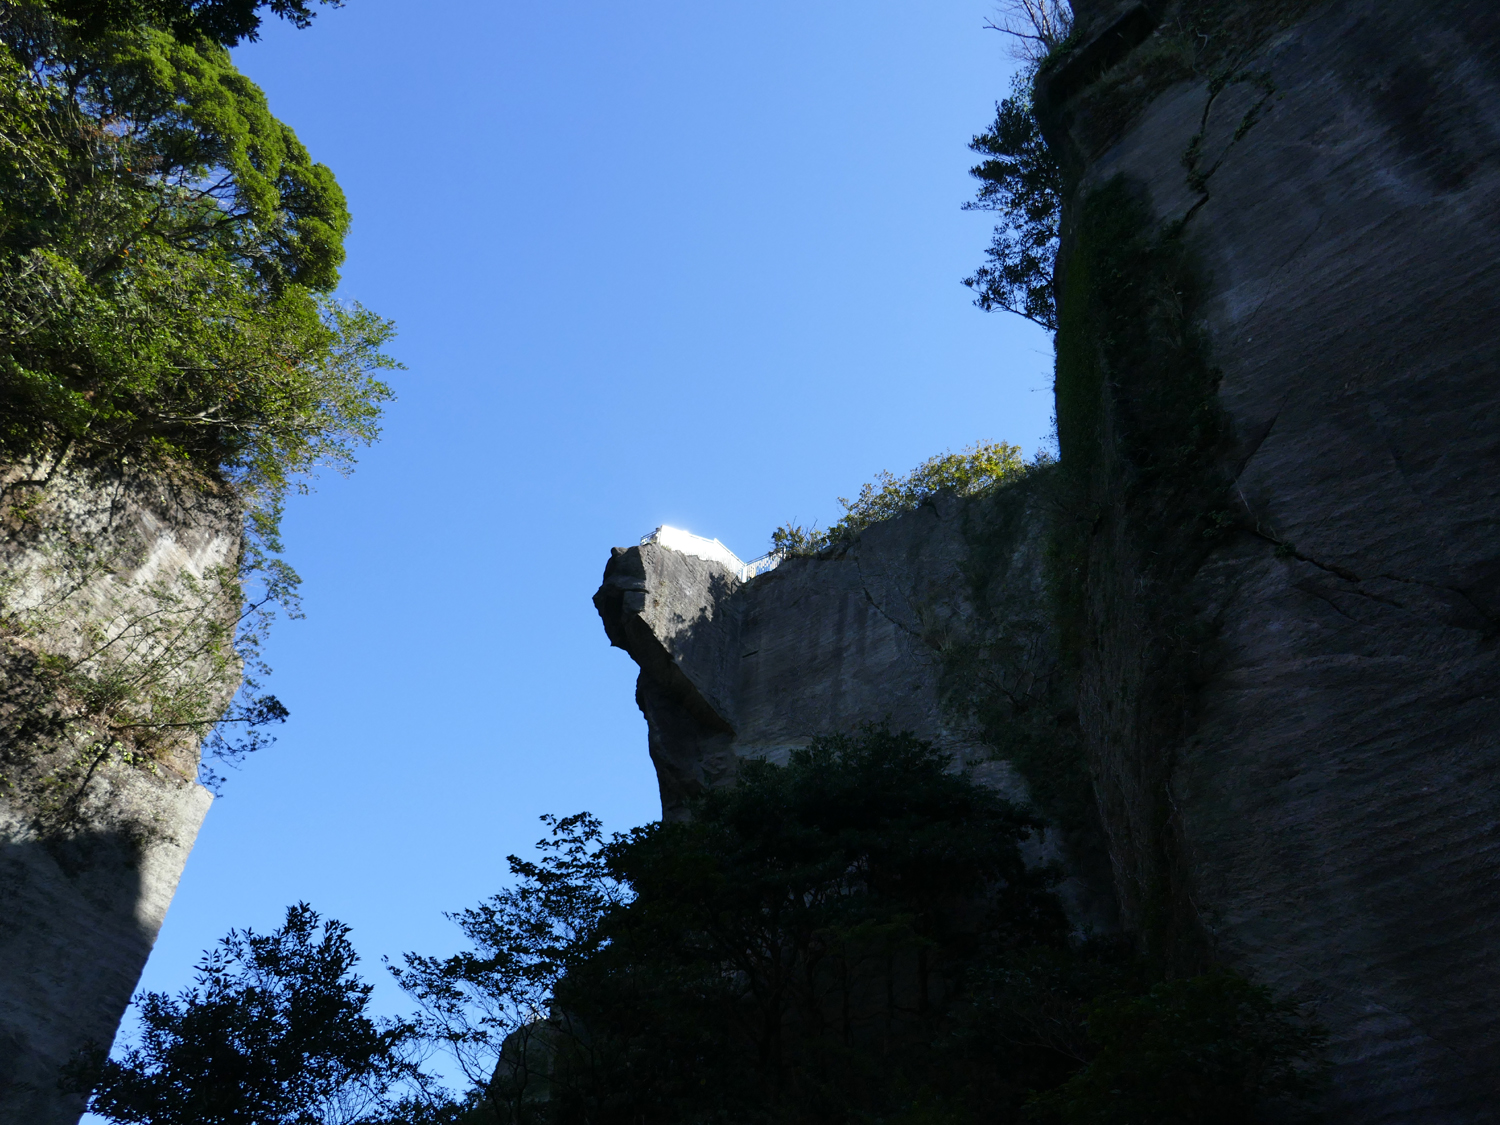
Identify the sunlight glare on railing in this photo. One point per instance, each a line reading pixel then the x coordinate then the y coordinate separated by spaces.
pixel 686 543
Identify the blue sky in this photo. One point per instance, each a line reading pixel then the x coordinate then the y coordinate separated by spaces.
pixel 660 262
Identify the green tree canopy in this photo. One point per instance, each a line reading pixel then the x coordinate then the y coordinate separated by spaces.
pixel 276 1031
pixel 168 249
pixel 1020 180
pixel 749 963
pixel 851 937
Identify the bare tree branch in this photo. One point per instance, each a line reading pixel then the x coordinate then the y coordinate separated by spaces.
pixel 1037 26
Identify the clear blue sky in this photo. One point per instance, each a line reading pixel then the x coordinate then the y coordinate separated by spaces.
pixel 662 262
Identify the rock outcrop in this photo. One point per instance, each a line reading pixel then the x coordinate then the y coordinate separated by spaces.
pixel 884 631
pixel 119 600
pixel 1279 392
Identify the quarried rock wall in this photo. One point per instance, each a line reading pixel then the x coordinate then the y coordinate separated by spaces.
pixel 881 631
pixel 1290 591
pixel 118 600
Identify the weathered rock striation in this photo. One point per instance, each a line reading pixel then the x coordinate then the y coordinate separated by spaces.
pixel 881 632
pixel 1279 392
pixel 1272 543
pixel 118 602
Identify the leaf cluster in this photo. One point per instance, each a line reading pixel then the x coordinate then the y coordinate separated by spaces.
pixel 225 22
pixel 970 472
pixel 522 942
pixel 276 1031
pixel 1021 181
pixel 167 251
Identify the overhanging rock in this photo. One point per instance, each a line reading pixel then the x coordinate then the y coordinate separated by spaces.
pixel 734 669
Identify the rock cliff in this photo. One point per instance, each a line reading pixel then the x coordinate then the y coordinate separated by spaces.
pixel 118 600
pixel 1278 395
pixel 1269 651
pixel 890 630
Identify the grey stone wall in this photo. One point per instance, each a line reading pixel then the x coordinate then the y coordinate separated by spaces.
pixel 1337 801
pixel 1308 766
pixel 116 593
pixel 733 670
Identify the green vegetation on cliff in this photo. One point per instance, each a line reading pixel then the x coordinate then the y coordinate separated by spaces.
pixel 970 472
pixel 1020 180
pixel 854 937
pixel 167 252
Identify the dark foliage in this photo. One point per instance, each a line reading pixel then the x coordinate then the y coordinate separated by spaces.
pixel 226 22
pixel 275 1032
pixel 793 951
pixel 1209 1048
pixel 1019 180
pixel 850 937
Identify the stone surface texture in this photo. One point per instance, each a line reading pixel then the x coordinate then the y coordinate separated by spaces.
pixel 91 844
pixel 1338 802
pixel 1333 788
pixel 733 670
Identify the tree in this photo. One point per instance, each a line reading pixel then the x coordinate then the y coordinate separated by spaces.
pixel 491 1006
pixel 1021 181
pixel 166 251
pixel 1038 27
pixel 226 22
pixel 795 951
pixel 168 255
pixel 852 936
pixel 752 961
pixel 276 1031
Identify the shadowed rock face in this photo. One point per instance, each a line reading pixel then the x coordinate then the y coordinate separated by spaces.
pixel 1288 654
pixel 105 578
pixel 733 670
pixel 1337 801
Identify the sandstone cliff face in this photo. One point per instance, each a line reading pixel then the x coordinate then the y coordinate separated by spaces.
pixel 117 605
pixel 888 630
pixel 1290 690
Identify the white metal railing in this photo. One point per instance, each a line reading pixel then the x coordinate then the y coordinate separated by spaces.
pixel 686 543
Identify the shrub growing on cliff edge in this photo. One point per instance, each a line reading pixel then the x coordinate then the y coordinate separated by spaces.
pixel 977 469
pixel 1021 181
